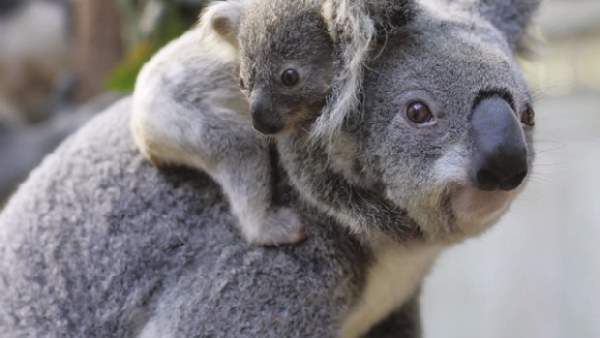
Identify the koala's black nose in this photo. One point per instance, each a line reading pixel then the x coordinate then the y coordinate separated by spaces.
pixel 264 118
pixel 499 159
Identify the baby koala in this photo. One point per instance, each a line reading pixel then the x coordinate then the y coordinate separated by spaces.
pixel 188 108
pixel 286 62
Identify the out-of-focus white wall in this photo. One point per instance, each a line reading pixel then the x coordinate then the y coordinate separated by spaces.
pixel 34 56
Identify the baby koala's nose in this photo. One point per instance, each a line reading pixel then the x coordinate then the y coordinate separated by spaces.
pixel 264 118
pixel 499 159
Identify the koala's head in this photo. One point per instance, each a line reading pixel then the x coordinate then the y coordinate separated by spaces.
pixel 447 117
pixel 286 62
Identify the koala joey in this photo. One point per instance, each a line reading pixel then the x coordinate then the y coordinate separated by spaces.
pixel 286 62
pixel 188 110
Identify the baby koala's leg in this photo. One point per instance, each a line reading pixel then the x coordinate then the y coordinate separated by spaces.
pixel 245 176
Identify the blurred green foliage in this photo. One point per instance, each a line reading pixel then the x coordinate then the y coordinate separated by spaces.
pixel 147 26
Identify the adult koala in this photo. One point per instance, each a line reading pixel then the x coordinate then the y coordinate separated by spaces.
pixel 98 243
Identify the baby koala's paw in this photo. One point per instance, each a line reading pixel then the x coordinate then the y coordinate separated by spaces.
pixel 281 226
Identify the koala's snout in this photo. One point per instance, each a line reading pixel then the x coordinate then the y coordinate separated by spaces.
pixel 264 117
pixel 499 159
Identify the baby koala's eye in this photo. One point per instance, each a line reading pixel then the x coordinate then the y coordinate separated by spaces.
pixel 290 77
pixel 418 112
pixel 528 116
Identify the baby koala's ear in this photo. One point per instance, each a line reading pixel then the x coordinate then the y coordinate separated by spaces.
pixel 223 17
pixel 511 17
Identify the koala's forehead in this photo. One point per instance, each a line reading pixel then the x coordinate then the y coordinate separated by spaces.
pixel 451 60
pixel 294 31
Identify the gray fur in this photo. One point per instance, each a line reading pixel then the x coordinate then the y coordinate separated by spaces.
pixel 99 243
pixel 390 15
pixel 512 17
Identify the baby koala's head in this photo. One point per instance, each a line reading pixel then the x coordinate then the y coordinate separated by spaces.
pixel 286 62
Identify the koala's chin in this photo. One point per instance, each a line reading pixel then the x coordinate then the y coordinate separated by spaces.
pixel 476 210
pixel 457 211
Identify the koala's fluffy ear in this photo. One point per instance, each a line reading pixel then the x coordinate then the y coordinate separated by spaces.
pixel 223 17
pixel 389 15
pixel 512 17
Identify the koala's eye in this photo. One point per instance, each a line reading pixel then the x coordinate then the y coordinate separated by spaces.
pixel 528 116
pixel 418 112
pixel 242 84
pixel 290 77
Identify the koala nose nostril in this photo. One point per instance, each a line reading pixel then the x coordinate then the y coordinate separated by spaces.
pixel 514 181
pixel 267 128
pixel 506 175
pixel 267 123
pixel 486 180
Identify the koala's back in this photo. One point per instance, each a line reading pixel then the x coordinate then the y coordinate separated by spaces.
pixel 98 243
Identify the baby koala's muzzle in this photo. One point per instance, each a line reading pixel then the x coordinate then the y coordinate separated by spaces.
pixel 264 118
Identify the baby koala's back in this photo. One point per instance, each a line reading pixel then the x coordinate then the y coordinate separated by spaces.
pixel 197 67
pixel 190 81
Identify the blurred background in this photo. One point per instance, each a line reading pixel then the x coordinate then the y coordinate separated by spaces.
pixel 536 274
pixel 62 61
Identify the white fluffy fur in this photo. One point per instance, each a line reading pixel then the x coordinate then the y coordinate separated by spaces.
pixel 352 30
pixel 391 281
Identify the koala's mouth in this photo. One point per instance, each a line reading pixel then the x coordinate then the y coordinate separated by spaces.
pixel 472 210
pixel 455 212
